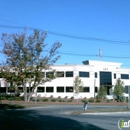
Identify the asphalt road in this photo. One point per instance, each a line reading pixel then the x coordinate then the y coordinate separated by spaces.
pixel 57 117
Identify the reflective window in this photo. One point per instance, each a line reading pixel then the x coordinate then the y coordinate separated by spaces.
pixel 69 73
pixel 124 76
pixel 105 78
pixel 83 74
pixel 127 89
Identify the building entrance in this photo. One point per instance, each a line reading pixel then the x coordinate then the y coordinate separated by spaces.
pixel 106 80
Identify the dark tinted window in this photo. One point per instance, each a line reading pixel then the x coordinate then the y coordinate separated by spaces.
pixel 2 89
pixel 60 74
pixel 96 89
pixel 60 89
pixel 95 74
pixel 83 74
pixel 40 89
pixel 105 78
pixel 69 74
pixel 86 89
pixel 114 76
pixel 124 76
pixel 69 89
pixel 49 89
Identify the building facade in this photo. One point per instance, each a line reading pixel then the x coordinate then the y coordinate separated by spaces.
pixel 92 73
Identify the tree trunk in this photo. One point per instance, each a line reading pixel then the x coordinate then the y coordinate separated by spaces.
pixel 30 95
pixel 25 93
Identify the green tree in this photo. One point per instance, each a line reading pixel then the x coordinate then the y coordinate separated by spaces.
pixel 78 86
pixel 27 57
pixel 102 92
pixel 119 88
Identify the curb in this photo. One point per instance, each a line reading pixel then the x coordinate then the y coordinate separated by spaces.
pixel 104 113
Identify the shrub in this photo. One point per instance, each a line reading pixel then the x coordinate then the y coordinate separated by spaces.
pixel 72 97
pixel 70 100
pixel 59 97
pixel 3 98
pixel 61 100
pixel 53 100
pixel 38 100
pixel 66 97
pixel 11 98
pixel 98 100
pixel 51 96
pixel 91 99
pixel 122 99
pixel 83 100
pixel 17 98
pixel 45 100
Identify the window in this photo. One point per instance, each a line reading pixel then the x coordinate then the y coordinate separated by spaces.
pixel 60 89
pixel 69 89
pixel 95 74
pixel 69 74
pixel 60 74
pixel 49 89
pixel 105 78
pixel 2 89
pixel 96 89
pixel 114 76
pixel 11 89
pixel 49 74
pixel 40 89
pixel 127 89
pixel 86 89
pixel 124 76
pixel 83 74
pixel 20 89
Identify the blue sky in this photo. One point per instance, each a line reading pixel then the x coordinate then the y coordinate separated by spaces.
pixel 101 19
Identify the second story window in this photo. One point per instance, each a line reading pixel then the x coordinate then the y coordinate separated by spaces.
pixel 83 74
pixel 69 73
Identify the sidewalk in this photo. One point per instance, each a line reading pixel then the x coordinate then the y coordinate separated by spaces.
pixel 64 103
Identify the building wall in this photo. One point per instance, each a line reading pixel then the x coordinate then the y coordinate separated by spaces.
pixel 91 81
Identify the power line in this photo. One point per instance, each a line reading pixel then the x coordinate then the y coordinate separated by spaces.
pixel 95 55
pixel 71 36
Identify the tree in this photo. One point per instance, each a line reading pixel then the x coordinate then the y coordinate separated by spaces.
pixel 27 57
pixel 78 86
pixel 102 92
pixel 119 88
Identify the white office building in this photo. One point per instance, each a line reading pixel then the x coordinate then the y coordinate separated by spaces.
pixel 92 73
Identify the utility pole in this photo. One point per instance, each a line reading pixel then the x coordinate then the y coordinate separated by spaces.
pixel 129 97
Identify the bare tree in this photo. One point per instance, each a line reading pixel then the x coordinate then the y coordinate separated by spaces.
pixel 28 57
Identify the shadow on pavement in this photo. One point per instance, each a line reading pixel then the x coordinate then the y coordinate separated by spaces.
pixel 31 120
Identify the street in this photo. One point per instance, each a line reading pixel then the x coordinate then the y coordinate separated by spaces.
pixel 58 117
